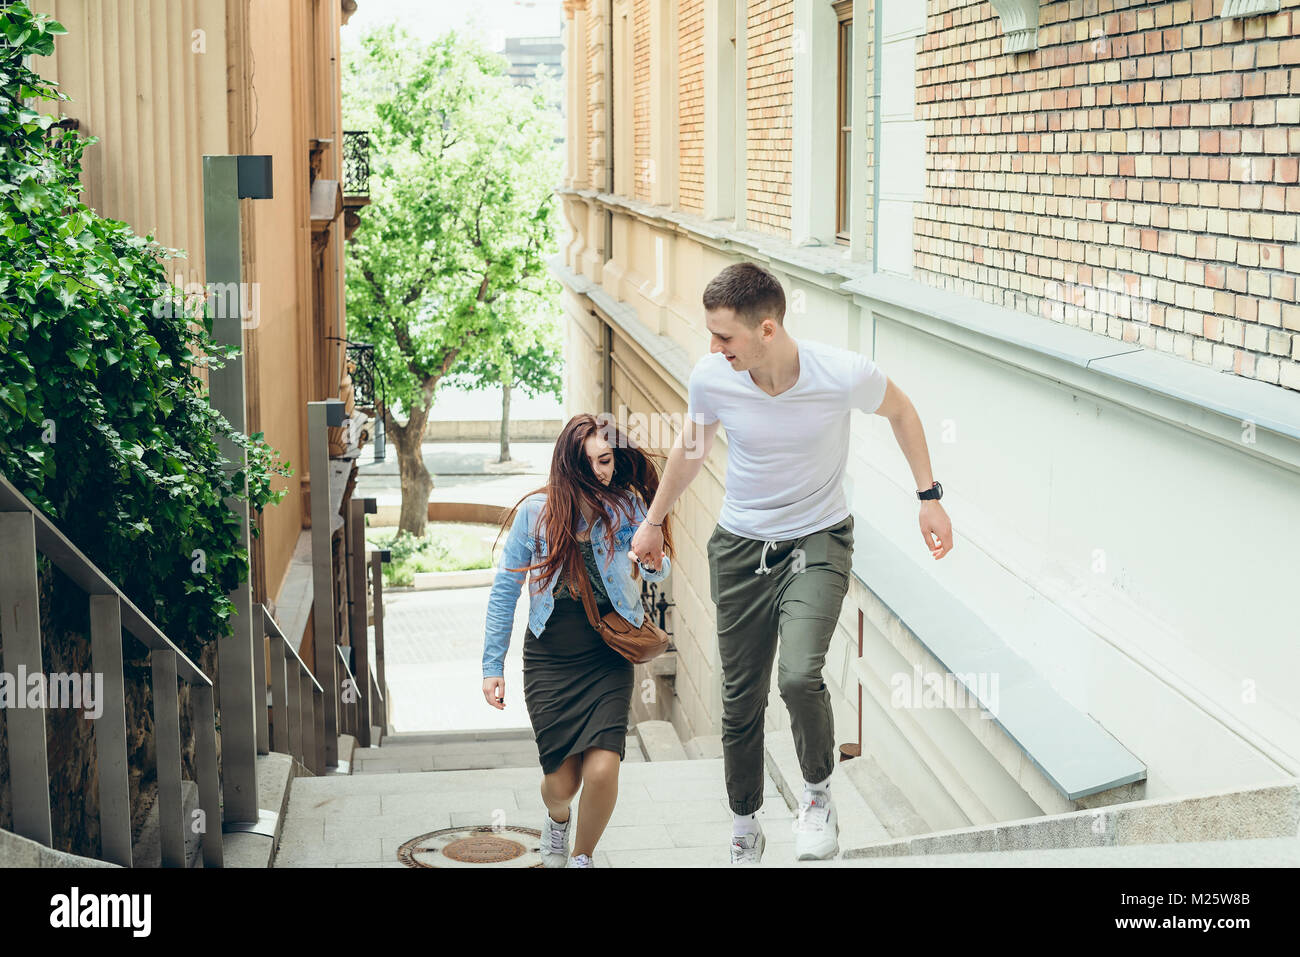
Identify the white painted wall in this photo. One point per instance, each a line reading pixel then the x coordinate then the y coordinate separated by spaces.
pixel 1136 566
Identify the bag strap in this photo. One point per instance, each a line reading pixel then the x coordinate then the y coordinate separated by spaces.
pixel 584 589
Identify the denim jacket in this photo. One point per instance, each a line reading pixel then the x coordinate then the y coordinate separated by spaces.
pixel 624 591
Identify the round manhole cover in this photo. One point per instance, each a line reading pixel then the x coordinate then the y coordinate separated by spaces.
pixel 466 846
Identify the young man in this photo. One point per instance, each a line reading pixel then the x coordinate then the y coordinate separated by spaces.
pixel 780 556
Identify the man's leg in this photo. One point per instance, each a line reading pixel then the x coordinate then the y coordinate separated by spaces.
pixel 809 607
pixel 746 615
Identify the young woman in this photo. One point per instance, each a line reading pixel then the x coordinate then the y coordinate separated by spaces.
pixel 577 689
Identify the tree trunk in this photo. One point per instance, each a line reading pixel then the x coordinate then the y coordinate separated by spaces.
pixel 505 422
pixel 417 483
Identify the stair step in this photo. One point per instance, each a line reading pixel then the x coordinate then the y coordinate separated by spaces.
pixel 659 741
pixel 886 800
pixel 455 737
pixel 1255 852
pixel 857 822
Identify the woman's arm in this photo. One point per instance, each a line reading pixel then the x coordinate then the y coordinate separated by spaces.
pixel 505 594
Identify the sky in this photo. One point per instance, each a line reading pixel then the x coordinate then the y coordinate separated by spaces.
pixel 494 20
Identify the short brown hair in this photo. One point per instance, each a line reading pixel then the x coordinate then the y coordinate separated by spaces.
pixel 748 289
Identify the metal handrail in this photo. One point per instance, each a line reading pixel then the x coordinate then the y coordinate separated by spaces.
pixel 297 702
pixel 349 709
pixel 25 531
pixel 290 650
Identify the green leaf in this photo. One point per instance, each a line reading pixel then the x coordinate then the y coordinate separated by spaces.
pixel 14 398
pixel 79 355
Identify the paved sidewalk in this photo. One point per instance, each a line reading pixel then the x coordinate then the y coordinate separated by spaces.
pixel 433 660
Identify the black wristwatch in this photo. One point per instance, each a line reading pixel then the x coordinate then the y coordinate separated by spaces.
pixel 934 492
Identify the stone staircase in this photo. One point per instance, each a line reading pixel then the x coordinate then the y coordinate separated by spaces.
pixel 392 802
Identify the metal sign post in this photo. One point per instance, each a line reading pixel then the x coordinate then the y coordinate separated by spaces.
pixel 226 181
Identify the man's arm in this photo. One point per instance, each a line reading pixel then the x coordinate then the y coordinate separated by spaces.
pixel 684 463
pixel 936 528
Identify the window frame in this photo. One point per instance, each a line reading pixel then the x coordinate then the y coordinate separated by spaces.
pixel 843 118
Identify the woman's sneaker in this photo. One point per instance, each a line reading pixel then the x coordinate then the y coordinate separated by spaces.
pixel 580 860
pixel 555 842
pixel 747 848
pixel 816 830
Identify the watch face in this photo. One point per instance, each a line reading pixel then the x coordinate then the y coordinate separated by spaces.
pixel 938 490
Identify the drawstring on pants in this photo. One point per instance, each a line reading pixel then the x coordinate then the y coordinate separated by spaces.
pixel 762 568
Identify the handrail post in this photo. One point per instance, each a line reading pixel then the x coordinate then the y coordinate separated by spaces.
pixel 319 753
pixel 377 560
pixel 203 720
pixel 321 415
pixel 110 730
pixel 356 539
pixel 223 268
pixel 293 706
pixel 167 752
pixel 307 722
pixel 259 615
pixel 20 630
pixel 279 694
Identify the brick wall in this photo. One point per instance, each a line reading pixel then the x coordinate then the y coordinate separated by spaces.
pixel 1136 175
pixel 690 105
pixel 644 169
pixel 769 110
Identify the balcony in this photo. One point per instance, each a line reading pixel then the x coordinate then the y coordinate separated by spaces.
pixel 356 178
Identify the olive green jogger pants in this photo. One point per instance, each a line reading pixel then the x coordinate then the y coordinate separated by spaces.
pixel 761 589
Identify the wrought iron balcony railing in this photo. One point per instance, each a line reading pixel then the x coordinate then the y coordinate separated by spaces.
pixel 656 604
pixel 356 163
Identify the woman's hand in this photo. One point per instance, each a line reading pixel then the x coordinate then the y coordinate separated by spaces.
pixel 494 692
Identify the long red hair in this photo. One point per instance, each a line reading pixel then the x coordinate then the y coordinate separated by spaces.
pixel 572 483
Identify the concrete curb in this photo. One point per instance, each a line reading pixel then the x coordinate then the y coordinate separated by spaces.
pixel 1271 811
pixel 18 851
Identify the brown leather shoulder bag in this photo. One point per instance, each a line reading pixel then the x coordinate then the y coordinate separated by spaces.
pixel 637 645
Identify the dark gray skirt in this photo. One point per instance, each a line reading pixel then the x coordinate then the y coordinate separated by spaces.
pixel 577 689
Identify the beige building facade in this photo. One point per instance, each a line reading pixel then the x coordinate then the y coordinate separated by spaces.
pixel 163 83
pixel 1069 235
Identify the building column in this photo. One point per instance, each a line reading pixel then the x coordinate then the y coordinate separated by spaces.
pixel 663 102
pixel 720 111
pixel 812 207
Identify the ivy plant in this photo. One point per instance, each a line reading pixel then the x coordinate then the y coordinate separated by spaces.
pixel 105 423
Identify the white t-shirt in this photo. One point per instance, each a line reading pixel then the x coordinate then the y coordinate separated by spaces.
pixel 786 453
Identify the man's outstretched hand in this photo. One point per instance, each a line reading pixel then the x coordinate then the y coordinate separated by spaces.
pixel 647 546
pixel 936 528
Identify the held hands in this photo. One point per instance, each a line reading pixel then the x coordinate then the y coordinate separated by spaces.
pixel 647 546
pixel 494 692
pixel 936 528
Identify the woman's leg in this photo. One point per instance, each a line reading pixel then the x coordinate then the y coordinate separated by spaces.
pixel 559 787
pixel 599 792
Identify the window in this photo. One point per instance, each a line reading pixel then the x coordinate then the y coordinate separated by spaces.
pixel 844 120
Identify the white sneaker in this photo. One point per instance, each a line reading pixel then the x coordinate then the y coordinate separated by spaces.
pixel 555 843
pixel 747 848
pixel 816 830
pixel 580 860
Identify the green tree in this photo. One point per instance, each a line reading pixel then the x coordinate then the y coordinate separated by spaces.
pixel 527 359
pixel 448 260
